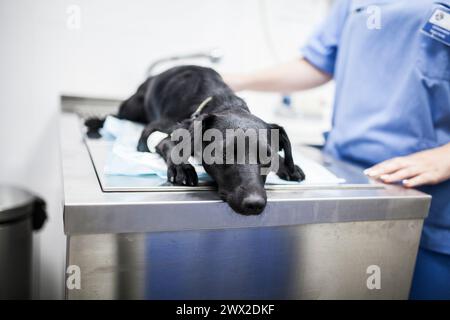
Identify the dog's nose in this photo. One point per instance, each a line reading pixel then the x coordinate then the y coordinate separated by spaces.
pixel 253 204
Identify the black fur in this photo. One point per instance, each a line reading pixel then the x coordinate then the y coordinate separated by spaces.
pixel 167 101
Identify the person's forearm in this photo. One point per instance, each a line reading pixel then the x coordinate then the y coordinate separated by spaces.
pixel 292 76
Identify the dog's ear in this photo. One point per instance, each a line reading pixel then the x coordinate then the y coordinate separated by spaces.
pixel 285 145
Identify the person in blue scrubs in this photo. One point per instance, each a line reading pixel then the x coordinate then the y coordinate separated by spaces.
pixel 392 106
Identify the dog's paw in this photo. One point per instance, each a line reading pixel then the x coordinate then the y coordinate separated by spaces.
pixel 296 174
pixel 182 174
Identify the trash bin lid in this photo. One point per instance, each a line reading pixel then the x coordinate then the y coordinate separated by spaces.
pixel 14 203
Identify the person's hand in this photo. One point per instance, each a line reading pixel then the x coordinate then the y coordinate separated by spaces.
pixel 422 168
pixel 235 81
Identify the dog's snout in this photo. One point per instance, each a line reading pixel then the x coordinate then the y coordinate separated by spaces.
pixel 254 204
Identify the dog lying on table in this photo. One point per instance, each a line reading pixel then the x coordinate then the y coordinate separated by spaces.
pixel 195 100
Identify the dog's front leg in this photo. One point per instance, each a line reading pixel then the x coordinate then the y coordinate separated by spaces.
pixel 287 169
pixel 177 173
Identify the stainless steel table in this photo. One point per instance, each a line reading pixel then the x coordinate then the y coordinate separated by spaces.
pixel 311 242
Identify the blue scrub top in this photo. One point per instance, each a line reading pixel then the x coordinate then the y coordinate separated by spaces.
pixel 392 90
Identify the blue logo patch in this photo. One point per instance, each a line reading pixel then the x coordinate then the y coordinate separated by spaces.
pixel 438 26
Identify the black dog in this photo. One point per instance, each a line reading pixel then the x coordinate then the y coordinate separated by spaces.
pixel 171 100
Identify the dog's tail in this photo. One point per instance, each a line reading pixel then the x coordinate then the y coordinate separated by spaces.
pixel 93 126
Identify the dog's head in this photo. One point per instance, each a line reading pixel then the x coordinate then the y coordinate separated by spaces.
pixel 237 150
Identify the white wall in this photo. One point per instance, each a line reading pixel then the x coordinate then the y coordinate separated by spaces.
pixel 42 56
pixel 118 39
pixel 29 81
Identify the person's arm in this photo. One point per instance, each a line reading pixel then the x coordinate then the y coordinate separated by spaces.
pixel 314 69
pixel 292 76
pixel 422 168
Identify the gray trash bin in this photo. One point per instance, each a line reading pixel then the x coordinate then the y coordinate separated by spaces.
pixel 20 213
